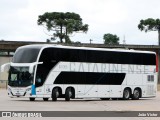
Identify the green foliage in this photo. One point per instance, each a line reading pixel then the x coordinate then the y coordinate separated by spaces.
pixel 110 39
pixel 149 24
pixel 63 24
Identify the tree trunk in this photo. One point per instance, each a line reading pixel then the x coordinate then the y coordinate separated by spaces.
pixel 159 57
pixel 66 35
pixel 61 41
pixel 159 37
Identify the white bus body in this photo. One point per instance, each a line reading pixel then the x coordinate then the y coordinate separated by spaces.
pixel 54 71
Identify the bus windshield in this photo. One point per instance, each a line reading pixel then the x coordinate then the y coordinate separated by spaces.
pixel 26 55
pixel 20 77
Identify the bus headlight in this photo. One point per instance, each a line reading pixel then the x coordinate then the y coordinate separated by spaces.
pixel 9 90
pixel 28 89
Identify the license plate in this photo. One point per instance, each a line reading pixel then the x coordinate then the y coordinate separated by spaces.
pixel 17 93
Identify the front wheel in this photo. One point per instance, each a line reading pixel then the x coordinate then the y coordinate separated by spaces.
pixel 45 99
pixel 126 94
pixel 136 94
pixel 32 99
pixel 68 94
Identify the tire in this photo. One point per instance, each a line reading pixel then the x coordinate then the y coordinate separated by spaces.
pixel 55 94
pixel 105 98
pixel 68 94
pixel 136 94
pixel 32 99
pixel 126 94
pixel 45 99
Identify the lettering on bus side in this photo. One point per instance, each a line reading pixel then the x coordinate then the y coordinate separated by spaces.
pixel 113 68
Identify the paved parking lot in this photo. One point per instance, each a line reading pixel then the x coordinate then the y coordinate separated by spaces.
pixel 23 104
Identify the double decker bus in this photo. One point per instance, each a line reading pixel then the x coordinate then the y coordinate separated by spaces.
pixel 55 71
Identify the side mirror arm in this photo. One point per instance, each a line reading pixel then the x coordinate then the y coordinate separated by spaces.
pixel 32 66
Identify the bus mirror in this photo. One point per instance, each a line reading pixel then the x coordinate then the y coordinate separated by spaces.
pixel 40 63
pixel 5 66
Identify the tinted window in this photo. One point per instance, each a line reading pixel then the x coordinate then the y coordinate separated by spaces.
pixel 90 78
pixel 26 55
pixel 20 77
pixel 49 59
pixel 149 59
pixel 93 56
pixel 121 57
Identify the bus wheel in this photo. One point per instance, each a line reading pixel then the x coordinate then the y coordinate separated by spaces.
pixel 68 94
pixel 105 98
pixel 45 99
pixel 32 99
pixel 136 94
pixel 55 94
pixel 126 94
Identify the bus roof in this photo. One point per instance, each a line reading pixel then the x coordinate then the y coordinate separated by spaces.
pixel 42 46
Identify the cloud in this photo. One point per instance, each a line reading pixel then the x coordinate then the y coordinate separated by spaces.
pixel 9 6
pixel 120 17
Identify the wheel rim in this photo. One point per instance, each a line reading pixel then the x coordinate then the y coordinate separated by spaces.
pixel 126 94
pixel 136 94
pixel 70 93
pixel 57 94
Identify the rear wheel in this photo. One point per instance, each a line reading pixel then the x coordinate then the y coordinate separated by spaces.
pixel 136 94
pixel 55 94
pixel 126 94
pixel 68 94
pixel 32 99
pixel 45 99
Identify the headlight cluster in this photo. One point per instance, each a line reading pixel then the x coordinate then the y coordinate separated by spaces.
pixel 28 89
pixel 9 90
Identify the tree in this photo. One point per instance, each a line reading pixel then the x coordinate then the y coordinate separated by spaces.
pixel 62 24
pixel 110 39
pixel 150 24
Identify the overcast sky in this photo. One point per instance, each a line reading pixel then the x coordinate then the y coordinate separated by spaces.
pixel 18 20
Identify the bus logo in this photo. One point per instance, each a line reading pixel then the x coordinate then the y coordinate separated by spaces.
pixel 6 114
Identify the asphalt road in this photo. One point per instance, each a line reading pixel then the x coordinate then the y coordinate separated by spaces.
pixel 23 104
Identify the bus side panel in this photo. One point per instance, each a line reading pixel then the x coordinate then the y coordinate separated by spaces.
pixel 91 91
pixel 80 91
pixel 103 91
pixel 134 79
pixel 49 83
pixel 116 91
